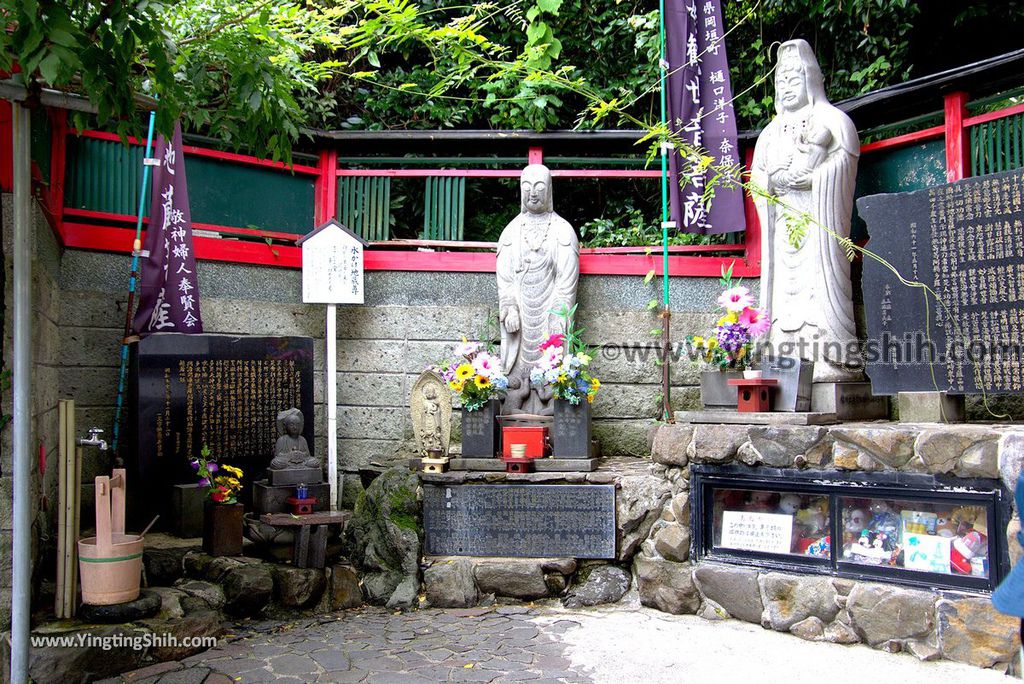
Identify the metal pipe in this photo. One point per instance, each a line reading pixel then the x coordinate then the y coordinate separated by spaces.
pixel 22 384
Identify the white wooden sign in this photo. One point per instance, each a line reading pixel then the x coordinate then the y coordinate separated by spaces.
pixel 770 532
pixel 332 265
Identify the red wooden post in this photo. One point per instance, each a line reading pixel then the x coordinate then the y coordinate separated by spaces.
pixel 536 155
pixel 958 142
pixel 58 161
pixel 325 194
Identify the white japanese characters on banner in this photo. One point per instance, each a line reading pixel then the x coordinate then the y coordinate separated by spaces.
pixel 169 291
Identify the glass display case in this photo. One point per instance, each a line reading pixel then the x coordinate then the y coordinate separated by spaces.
pixel 905 528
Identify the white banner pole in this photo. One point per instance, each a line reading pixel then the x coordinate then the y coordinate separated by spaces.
pixel 332 403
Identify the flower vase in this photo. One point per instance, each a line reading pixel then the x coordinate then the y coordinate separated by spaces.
pixel 480 431
pixel 222 529
pixel 571 431
pixel 715 391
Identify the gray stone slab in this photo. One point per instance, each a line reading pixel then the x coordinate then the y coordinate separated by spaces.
pixel 540 465
pixel 931 407
pixel 773 418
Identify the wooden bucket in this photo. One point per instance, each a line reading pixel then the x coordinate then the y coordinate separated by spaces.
pixel 111 562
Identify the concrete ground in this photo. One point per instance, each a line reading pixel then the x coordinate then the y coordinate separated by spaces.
pixel 541 643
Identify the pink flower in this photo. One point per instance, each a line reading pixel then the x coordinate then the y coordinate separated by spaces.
pixel 552 358
pixel 556 340
pixel 756 321
pixel 735 299
pixel 485 365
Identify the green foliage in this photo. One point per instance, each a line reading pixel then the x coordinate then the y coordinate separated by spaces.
pixel 629 227
pixel 861 45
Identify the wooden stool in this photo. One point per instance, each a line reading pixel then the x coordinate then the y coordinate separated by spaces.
pixel 754 394
pixel 310 549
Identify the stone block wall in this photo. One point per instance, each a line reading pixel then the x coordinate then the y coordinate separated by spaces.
pixel 956 625
pixel 45 336
pixel 410 320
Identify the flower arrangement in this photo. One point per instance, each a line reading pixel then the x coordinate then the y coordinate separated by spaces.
pixel 222 488
pixel 730 345
pixel 564 365
pixel 475 375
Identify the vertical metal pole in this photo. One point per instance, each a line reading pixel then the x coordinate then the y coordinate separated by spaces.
pixel 22 382
pixel 129 309
pixel 666 312
pixel 332 403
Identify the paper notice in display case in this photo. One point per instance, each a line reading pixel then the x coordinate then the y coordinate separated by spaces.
pixel 750 531
pixel 926 552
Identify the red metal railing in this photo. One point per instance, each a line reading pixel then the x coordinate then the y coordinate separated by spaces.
pixel 79 228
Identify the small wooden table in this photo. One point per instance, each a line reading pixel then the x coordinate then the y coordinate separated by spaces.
pixel 754 394
pixel 310 549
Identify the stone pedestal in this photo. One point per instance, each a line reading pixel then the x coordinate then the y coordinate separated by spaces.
pixel 930 407
pixel 294 476
pixel 848 401
pixel 187 510
pixel 267 498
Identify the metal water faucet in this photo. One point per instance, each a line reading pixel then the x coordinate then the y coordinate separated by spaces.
pixel 94 439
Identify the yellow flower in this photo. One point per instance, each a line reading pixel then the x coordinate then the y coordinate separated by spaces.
pixel 456 385
pixel 481 381
pixel 712 342
pixel 595 384
pixel 698 340
pixel 590 398
pixel 561 377
pixel 584 359
pixel 237 472
pixel 741 353
pixel 731 317
pixel 464 372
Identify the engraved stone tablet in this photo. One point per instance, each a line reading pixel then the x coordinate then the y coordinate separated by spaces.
pixel 520 521
pixel 966 241
pixel 221 391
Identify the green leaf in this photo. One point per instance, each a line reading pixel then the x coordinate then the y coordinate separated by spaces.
pixel 649 277
pixel 373 59
pixel 549 6
pixel 656 332
pixel 653 304
pixel 62 37
pixel 535 32
pixel 48 68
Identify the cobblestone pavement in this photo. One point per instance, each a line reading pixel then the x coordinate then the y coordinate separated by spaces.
pixel 376 646
pixel 621 644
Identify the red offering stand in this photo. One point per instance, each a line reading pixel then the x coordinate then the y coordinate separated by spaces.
pixel 754 394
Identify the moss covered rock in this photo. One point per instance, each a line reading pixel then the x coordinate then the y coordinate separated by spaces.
pixel 384 536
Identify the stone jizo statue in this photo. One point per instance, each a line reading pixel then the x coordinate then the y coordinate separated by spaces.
pixel 431 405
pixel 291 450
pixel 538 270
pixel 807 156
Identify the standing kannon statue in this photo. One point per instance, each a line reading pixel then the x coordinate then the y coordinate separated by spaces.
pixel 807 157
pixel 538 269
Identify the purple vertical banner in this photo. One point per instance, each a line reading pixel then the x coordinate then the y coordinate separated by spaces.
pixel 700 112
pixel 169 290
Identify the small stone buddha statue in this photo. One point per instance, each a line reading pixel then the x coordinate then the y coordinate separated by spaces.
pixel 291 450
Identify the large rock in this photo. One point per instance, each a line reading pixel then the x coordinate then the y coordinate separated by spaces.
pixel 146 605
pixel 247 590
pixel 892 447
pixel 735 589
pixel 449 583
pixel 942 450
pixel 672 542
pixel 384 536
pixel 599 585
pixel 972 631
pixel 638 505
pixel 186 630
pixel 670 443
pixel 520 578
pixel 778 446
pixel 715 443
pixel 211 594
pixel 666 586
pixel 164 566
pixel 298 587
pixel 1011 459
pixel 170 602
pixel 344 587
pixel 790 599
pixel 87 663
pixel 882 613
pixel 809 629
